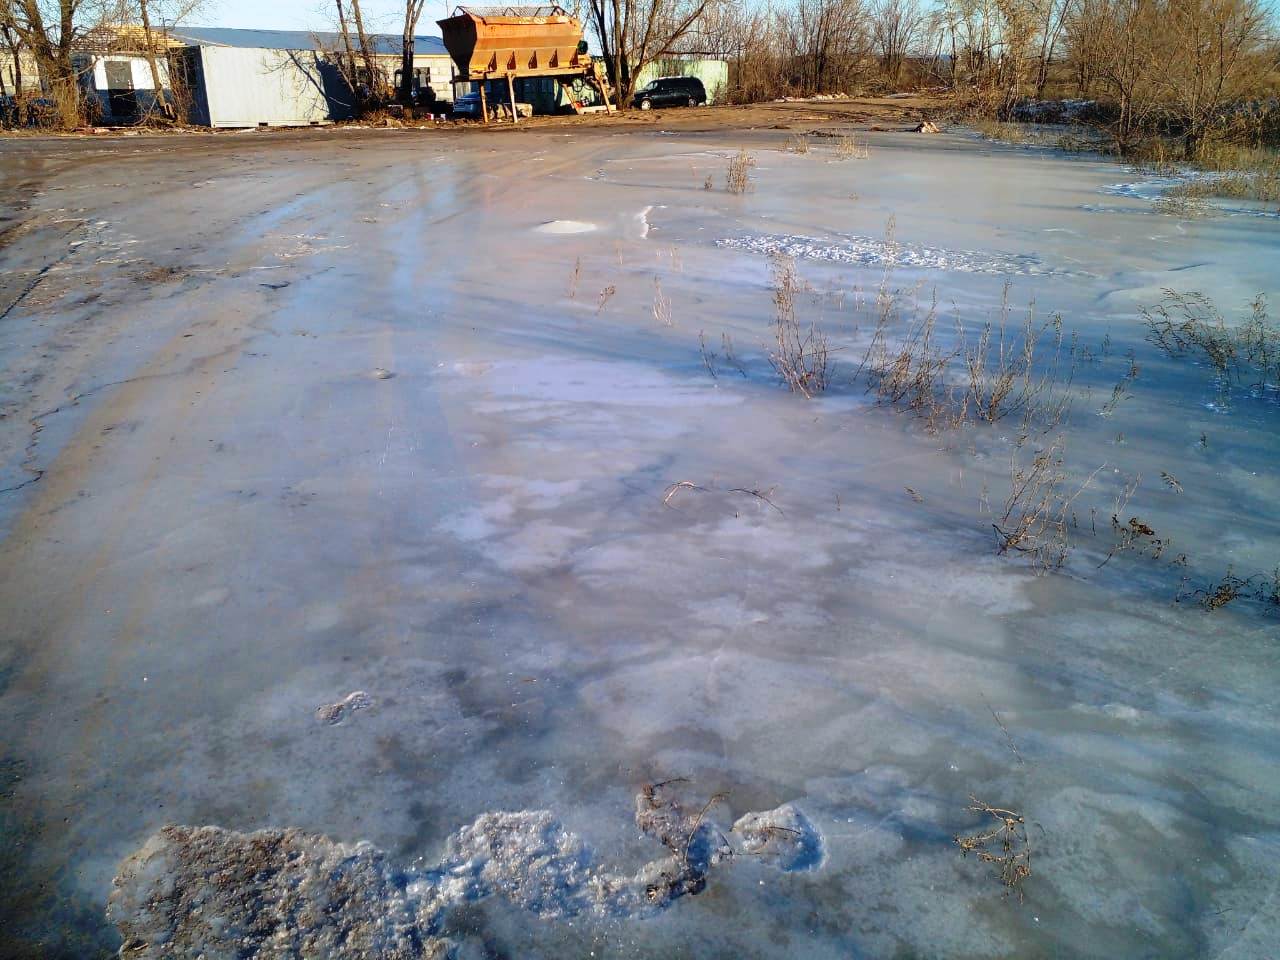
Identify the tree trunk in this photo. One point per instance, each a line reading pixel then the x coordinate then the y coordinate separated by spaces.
pixel 157 86
pixel 366 52
pixel 619 50
pixel 412 13
pixel 352 77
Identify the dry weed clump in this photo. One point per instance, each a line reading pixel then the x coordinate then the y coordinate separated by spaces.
pixel 1185 324
pixel 798 143
pixel 605 296
pixel 1024 371
pixel 1262 185
pixel 661 305
pixel 762 496
pixel 575 278
pixel 1039 511
pixel 1183 206
pixel 1002 131
pixel 1004 844
pixel 738 178
pixel 852 148
pixel 1004 376
pixel 800 356
pixel 910 369
pixel 1261 588
pixel 728 354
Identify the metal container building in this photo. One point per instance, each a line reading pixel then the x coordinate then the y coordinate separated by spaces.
pixel 247 87
pixel 250 78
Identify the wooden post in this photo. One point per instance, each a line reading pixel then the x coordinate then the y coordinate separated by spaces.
pixel 511 90
pixel 484 102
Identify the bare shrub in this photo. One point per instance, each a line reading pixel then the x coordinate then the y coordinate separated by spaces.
pixel 800 355
pixel 1003 843
pixel 738 178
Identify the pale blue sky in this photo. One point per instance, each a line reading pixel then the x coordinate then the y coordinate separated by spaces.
pixel 382 16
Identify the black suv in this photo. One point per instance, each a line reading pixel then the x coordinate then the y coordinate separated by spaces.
pixel 671 92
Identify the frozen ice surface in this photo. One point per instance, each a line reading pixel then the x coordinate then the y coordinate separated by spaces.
pixel 218 520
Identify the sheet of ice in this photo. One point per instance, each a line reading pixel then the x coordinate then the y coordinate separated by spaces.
pixel 227 520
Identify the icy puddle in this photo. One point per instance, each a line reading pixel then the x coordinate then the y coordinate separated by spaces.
pixel 506 603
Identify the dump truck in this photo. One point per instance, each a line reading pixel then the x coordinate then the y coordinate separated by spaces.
pixel 515 42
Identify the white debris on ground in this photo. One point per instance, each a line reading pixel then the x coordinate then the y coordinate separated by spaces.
pixel 194 892
pixel 869 251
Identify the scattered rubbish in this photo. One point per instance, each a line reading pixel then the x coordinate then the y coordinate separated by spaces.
pixel 927 126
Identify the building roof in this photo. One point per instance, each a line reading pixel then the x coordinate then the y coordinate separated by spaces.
pixel 382 43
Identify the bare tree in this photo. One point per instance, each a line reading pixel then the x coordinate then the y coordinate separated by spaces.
pixel 1203 63
pixel 1052 22
pixel 634 33
pixel 356 61
pixel 827 43
pixel 412 13
pixel 1126 59
pixel 49 29
pixel 11 44
pixel 895 27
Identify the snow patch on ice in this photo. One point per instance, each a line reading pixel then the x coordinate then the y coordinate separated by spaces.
pixel 560 227
pixel 871 252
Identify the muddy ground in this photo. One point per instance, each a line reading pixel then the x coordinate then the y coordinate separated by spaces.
pixel 336 493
